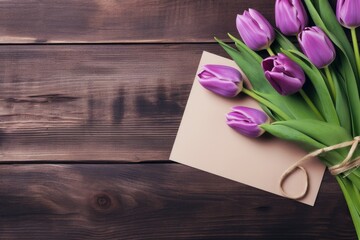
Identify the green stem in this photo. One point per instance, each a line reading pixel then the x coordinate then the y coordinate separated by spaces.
pixel 271 53
pixel 356 48
pixel 268 104
pixel 330 82
pixel 311 105
pixel 345 187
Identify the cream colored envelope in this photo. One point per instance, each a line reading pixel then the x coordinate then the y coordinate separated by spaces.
pixel 205 142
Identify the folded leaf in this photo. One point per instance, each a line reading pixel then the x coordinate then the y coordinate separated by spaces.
pixel 290 134
pixel 323 132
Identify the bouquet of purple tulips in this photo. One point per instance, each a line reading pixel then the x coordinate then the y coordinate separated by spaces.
pixel 308 95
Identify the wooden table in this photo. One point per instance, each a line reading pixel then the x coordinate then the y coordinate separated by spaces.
pixel 91 96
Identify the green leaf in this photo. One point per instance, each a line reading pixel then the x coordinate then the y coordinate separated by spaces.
pixel 345 63
pixel 297 108
pixel 355 191
pixel 287 133
pixel 345 185
pixel 242 47
pixel 327 106
pixel 318 134
pixel 308 143
pixel 323 132
pixel 269 112
pixel 341 104
pixel 282 42
pixel 344 71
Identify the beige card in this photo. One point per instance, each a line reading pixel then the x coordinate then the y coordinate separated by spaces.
pixel 205 142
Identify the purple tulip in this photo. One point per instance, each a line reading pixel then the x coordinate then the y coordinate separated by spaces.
pixel 255 30
pixel 317 46
pixel 290 16
pixel 223 80
pixel 284 75
pixel 247 121
pixel 347 13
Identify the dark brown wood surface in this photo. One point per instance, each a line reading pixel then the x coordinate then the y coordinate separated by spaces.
pixel 156 201
pixel 59 21
pixel 94 102
pixel 95 90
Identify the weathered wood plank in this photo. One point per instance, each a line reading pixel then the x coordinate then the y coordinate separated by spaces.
pixel 156 201
pixel 102 102
pixel 72 21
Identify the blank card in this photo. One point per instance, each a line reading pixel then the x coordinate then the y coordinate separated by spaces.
pixel 204 141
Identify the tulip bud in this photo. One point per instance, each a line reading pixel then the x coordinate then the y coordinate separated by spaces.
pixel 223 80
pixel 347 13
pixel 255 30
pixel 290 16
pixel 284 75
pixel 317 46
pixel 247 121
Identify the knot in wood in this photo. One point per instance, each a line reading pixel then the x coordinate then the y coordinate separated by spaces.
pixel 103 201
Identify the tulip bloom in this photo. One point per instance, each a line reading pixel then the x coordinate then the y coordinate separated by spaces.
pixel 347 13
pixel 290 16
pixel 255 30
pixel 247 121
pixel 284 75
pixel 317 46
pixel 222 80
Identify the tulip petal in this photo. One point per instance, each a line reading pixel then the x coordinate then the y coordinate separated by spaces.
pixel 283 74
pixel 223 88
pixel 250 33
pixel 252 114
pixel 317 46
pixel 286 19
pixel 205 75
pixel 268 64
pixel 347 13
pixel 263 24
pixel 283 83
pixel 290 16
pixel 220 79
pixel 291 68
pixel 223 72
pixel 250 130
pixel 301 13
pixel 247 120
pixel 255 30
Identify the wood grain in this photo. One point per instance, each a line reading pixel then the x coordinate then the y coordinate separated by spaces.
pixel 94 102
pixel 156 201
pixel 123 102
pixel 78 21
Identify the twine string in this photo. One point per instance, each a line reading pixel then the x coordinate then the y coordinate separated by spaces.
pixel 337 169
